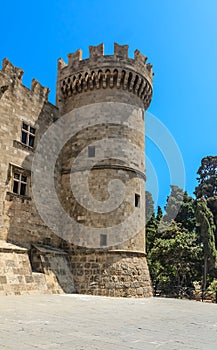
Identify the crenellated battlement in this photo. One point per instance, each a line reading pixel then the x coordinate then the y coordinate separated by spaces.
pixel 13 78
pixel 105 71
pixel 11 71
pixel 39 89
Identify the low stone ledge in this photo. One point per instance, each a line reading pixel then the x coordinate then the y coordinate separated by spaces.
pixel 127 252
pixel 44 249
pixel 8 247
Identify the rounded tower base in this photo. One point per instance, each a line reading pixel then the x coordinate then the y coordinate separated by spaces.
pixel 115 273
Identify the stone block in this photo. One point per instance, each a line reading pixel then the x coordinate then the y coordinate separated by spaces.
pixel 3 279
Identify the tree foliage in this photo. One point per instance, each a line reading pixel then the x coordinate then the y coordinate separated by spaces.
pixel 174 201
pixel 173 250
pixel 149 205
pixel 207 185
pixel 186 214
pixel 159 215
pixel 207 178
pixel 180 207
pixel 206 229
pixel 174 257
pixel 181 244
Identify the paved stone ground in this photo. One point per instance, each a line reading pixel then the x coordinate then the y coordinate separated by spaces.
pixel 78 322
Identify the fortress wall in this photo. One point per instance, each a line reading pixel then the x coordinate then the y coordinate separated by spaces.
pixel 103 99
pixel 112 92
pixel 119 233
pixel 19 220
pixel 111 273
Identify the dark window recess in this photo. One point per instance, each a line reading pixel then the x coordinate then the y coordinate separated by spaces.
pixel 28 135
pixel 32 130
pixel 91 151
pixel 24 137
pixel 31 140
pixel 137 200
pixel 25 126
pixel 15 187
pixel 103 240
pixel 23 178
pixel 16 176
pixel 22 189
pixel 19 184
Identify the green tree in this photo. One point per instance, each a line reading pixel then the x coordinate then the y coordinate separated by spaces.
pixel 173 250
pixel 180 207
pixel 186 214
pixel 149 205
pixel 207 185
pixel 207 178
pixel 174 201
pixel 151 231
pixel 159 215
pixel 174 257
pixel 206 229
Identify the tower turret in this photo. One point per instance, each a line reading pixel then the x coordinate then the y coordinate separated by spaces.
pixel 102 168
pixel 100 77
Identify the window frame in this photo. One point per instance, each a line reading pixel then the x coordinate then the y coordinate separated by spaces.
pixel 30 134
pixel 21 184
pixel 21 173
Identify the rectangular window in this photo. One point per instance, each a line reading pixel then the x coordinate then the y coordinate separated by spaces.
pixel 19 184
pixel 137 200
pixel 28 135
pixel 91 151
pixel 103 240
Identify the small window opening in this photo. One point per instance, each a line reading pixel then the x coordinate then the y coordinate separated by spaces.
pixel 28 135
pixel 137 200
pixel 19 184
pixel 103 240
pixel 91 151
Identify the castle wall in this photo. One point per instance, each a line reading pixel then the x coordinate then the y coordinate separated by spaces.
pixel 119 234
pixel 19 220
pixel 115 131
pixel 98 146
pixel 103 100
pixel 111 273
pixel 17 276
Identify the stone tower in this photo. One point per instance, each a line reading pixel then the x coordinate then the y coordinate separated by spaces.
pixel 101 169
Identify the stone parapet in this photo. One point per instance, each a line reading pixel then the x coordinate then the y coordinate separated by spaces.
pixel 101 71
pixel 12 77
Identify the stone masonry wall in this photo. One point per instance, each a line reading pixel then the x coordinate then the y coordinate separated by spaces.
pixel 100 101
pixel 103 99
pixel 18 276
pixel 111 273
pixel 118 138
pixel 121 234
pixel 19 220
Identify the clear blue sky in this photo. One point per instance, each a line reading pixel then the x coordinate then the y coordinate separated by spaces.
pixel 179 37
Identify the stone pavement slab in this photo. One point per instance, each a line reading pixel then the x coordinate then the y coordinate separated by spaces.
pixel 78 322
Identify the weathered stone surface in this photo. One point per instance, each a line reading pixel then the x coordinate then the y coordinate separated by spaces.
pixel 17 277
pixel 103 87
pixel 113 273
